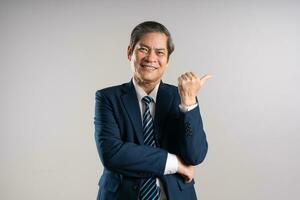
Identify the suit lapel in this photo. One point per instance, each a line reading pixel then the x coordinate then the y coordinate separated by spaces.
pixel 164 101
pixel 132 108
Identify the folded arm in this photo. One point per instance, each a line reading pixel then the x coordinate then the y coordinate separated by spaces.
pixel 123 157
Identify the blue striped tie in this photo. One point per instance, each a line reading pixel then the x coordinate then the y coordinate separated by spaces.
pixel 149 189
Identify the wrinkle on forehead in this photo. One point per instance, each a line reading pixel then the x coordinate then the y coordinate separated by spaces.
pixel 156 41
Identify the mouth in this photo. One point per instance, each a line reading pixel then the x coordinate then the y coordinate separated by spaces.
pixel 149 67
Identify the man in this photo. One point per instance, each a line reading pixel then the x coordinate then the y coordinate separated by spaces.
pixel 149 134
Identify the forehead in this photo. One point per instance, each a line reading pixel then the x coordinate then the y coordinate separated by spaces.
pixel 154 40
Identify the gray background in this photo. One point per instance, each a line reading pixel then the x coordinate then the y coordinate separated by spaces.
pixel 54 55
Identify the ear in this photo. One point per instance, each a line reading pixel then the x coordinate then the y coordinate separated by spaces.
pixel 129 53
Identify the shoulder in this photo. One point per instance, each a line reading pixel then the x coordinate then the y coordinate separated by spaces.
pixel 116 90
pixel 172 89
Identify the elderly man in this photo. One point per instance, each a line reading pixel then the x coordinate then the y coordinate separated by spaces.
pixel 149 134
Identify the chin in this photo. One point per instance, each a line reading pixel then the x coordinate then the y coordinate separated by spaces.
pixel 147 79
pixel 146 76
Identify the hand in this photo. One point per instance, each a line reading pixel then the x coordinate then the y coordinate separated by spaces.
pixel 186 171
pixel 188 86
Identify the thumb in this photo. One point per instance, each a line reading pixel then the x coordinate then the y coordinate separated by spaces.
pixel 204 78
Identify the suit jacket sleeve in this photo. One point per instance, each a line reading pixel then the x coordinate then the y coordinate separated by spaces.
pixel 117 155
pixel 192 139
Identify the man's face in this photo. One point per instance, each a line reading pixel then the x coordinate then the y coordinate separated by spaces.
pixel 149 58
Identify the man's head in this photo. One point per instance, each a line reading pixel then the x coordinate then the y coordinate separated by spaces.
pixel 151 27
pixel 149 50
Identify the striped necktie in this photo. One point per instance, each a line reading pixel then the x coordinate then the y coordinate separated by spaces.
pixel 149 189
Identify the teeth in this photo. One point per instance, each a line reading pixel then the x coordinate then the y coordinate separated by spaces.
pixel 148 66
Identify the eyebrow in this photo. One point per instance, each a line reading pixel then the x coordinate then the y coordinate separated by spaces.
pixel 164 49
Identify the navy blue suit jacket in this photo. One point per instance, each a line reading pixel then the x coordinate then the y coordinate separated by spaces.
pixel 119 139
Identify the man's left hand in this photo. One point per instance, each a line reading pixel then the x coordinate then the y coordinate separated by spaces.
pixel 189 85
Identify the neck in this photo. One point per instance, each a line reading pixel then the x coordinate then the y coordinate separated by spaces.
pixel 147 86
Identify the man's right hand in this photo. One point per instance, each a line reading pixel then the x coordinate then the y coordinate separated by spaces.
pixel 186 171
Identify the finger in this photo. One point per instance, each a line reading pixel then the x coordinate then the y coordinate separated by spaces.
pixel 184 77
pixel 189 75
pixel 179 80
pixel 193 75
pixel 204 78
pixel 188 179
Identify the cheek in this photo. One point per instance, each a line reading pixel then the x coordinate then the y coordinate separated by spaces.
pixel 139 55
pixel 163 63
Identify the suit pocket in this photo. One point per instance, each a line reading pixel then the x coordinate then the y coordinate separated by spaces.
pixel 109 182
pixel 182 184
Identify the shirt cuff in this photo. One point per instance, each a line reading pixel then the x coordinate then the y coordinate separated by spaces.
pixel 171 164
pixel 187 108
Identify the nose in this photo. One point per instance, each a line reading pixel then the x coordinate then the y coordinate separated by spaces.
pixel 151 56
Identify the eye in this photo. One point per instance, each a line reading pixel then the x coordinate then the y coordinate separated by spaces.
pixel 143 49
pixel 161 53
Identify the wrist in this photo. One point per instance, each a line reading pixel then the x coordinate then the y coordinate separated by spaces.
pixel 188 101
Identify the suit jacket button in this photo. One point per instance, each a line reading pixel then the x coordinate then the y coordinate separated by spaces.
pixel 187 125
pixel 188 128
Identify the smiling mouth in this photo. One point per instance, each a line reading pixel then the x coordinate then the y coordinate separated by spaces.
pixel 149 67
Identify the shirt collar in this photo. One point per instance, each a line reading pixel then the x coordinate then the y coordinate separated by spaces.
pixel 141 93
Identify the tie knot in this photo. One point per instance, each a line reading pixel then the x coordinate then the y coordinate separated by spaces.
pixel 147 100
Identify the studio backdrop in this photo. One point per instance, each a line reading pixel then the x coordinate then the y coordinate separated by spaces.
pixel 54 55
